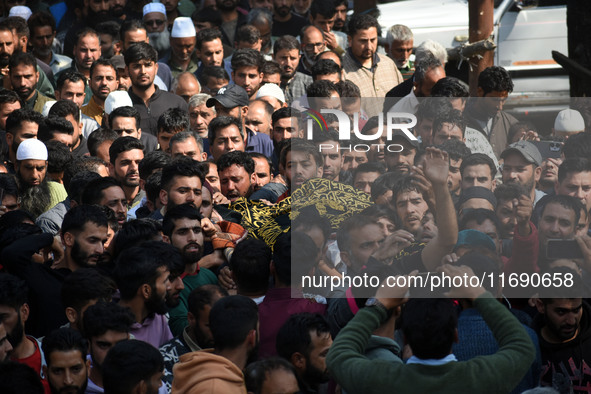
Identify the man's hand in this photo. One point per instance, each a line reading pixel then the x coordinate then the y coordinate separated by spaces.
pixel 393 244
pixel 436 166
pixel 330 39
pixel 465 273
pixel 393 296
pixel 208 228
pixel 225 279
pixel 219 198
pixel 523 208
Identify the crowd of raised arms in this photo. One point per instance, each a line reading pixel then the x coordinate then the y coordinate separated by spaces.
pixel 179 215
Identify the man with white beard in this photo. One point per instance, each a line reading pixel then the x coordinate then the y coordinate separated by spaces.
pixel 157 28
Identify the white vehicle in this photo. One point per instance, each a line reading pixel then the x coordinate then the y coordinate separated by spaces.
pixel 525 32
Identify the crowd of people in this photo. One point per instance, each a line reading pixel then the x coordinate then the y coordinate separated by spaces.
pixel 189 192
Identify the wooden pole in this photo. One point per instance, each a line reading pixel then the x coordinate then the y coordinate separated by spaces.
pixel 480 28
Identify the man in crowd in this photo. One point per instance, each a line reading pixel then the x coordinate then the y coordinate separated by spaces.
pixel 102 80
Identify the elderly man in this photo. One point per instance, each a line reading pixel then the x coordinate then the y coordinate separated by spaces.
pixel 156 26
pixel 186 85
pixel 400 42
pixel 182 46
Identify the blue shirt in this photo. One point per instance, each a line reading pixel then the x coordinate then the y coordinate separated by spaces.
pixel 259 142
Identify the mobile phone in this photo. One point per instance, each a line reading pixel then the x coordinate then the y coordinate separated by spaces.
pixel 563 249
pixel 549 149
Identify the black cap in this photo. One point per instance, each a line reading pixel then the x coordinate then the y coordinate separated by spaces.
pixel 230 96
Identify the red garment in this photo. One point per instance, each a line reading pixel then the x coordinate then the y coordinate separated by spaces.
pixel 274 311
pixel 34 361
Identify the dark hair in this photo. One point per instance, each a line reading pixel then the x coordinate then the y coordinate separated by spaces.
pixel 432 108
pixel 136 266
pixel 19 25
pixel 286 112
pixel 429 326
pixel 17 378
pixel 310 218
pixel 508 192
pixel 477 159
pixel 155 160
pixel 449 87
pixel 128 363
pixel 174 120
pixel 207 15
pixel 202 296
pixel 258 372
pixel 286 42
pixel 573 165
pixel 568 202
pixel 348 91
pixel 64 340
pixel 250 265
pixel 182 211
pixel 271 67
pixel 207 35
pixel 369 167
pixel 294 335
pixel 238 158
pixel 123 144
pixel 140 51
pixel 131 25
pixel 382 184
pixel 77 217
pixel 324 8
pixel 222 122
pixel 247 58
pixel 76 184
pixel 87 31
pixel 16 118
pixel 85 285
pixel 322 88
pixel 135 232
pixel 479 215
pixel 70 76
pixel 97 137
pixel 495 79
pixel 93 192
pixel 184 136
pixel 103 62
pixel 301 145
pixel 111 28
pixel 298 247
pixel 403 184
pixel 425 65
pixel 578 145
pixel 58 156
pixel 13 291
pixel 9 185
pixel 52 126
pixel 454 117
pixel 379 211
pixel 125 112
pixel 518 127
pixel 81 164
pixel 456 149
pixel 181 166
pixel 231 319
pixel 104 316
pixel 9 96
pixel 63 108
pixel 325 67
pixel 344 232
pixel 41 19
pixel 216 72
pixel 257 155
pixel 153 186
pixel 362 22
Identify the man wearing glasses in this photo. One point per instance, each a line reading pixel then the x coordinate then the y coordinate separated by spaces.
pixel 312 45
pixel 157 27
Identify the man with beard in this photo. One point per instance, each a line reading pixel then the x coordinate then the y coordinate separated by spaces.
pixel 148 99
pixel 23 78
pixel 262 20
pixel 182 181
pixel 66 366
pixel 304 340
pixel 43 30
pixel 68 110
pixel 143 278
pixel 374 73
pixel 125 154
pixel 247 70
pixel 285 22
pixel 21 124
pixel 31 167
pixel 14 310
pixel 323 15
pixel 90 14
pixel 312 45
pixel 105 325
pixel 196 335
pixel 522 165
pixel 262 170
pixel 5 346
pixel 232 101
pixel 182 46
pixel 110 42
pixel 231 20
pixel 210 51
pixel 182 229
pixel 200 115
pixel 237 177
pixel 103 80
pixel 157 27
pixel 125 121
pixel 71 85
pixel 187 143
pixel 233 322
pixel 87 50
pixel 108 193
pixel 286 52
